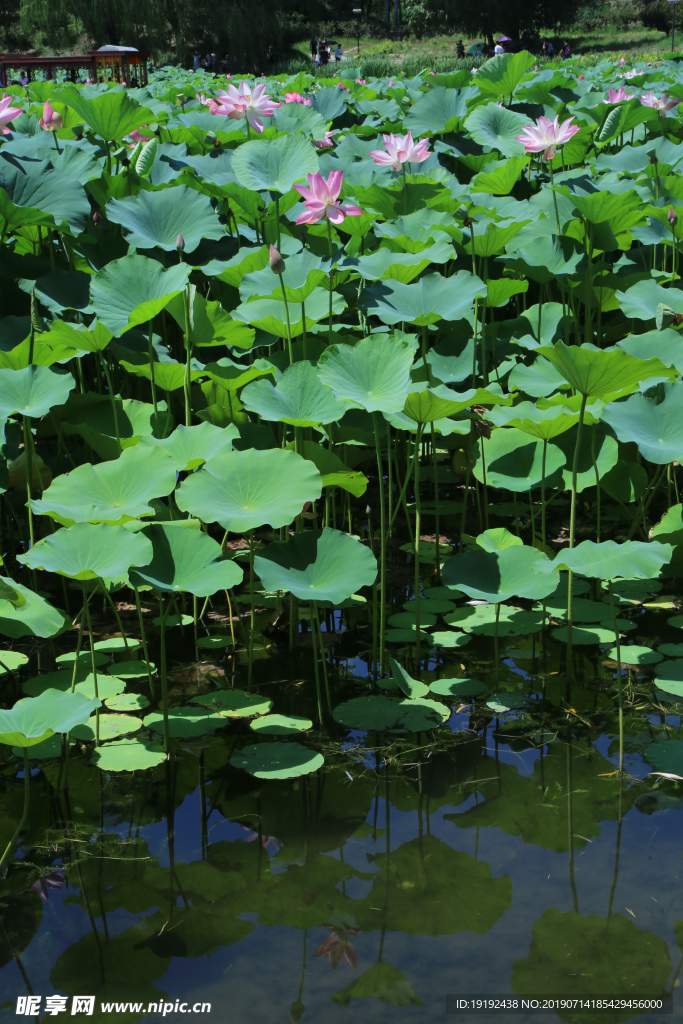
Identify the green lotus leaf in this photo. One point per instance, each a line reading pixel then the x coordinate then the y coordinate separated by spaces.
pixel 184 561
pixel 657 428
pixel 277 760
pixel 669 677
pixel 498 573
pixel 132 290
pixel 640 301
pixel 597 450
pixel 130 669
pixel 513 459
pixel 11 661
pixel 190 447
pixel 33 617
pixel 111 492
pixel 602 373
pixel 274 164
pixel 317 565
pixel 167 376
pixel 333 471
pixel 77 336
pixel 33 719
pixel 633 655
pixel 501 75
pixel 33 193
pixel 411 687
pixel 132 755
pixel 610 560
pixel 33 391
pixel 210 324
pixel 270 315
pixel 546 257
pixel 111 727
pixel 372 375
pixel 400 266
pixel 107 685
pixel 299 398
pixel 155 219
pixel 497 127
pixel 546 419
pixel 184 722
pixel 88 551
pixel 234 703
pixel 111 114
pixel 127 702
pixel 244 490
pixel 499 178
pixel 458 688
pixel 92 417
pixel 303 272
pixel 378 713
pixel 438 110
pixel 281 725
pixel 383 982
pixel 585 635
pixel 481 620
pixel 431 299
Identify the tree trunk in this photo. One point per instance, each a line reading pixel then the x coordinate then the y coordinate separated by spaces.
pixel 397 13
pixel 386 12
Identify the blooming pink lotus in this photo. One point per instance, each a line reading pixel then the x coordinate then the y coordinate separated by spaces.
pixel 341 85
pixel 55 880
pixel 137 137
pixel 267 842
pixel 619 96
pixel 326 142
pixel 338 946
pixel 8 112
pixel 51 121
pixel 361 81
pixel 546 135
pixel 245 102
pixel 400 149
pixel 660 103
pixel 322 200
pixel 296 97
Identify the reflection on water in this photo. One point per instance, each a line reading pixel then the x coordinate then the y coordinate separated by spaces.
pixel 499 854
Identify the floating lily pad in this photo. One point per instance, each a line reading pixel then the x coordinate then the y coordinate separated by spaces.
pixel 671 650
pixel 457 687
pixel 430 606
pixel 128 755
pixel 405 636
pixel 632 655
pixel 277 760
pixel 127 702
pixel 111 727
pixel 213 643
pixel 676 621
pixel 379 713
pixel 670 677
pixel 583 610
pixel 107 686
pixel 234 703
pixel 131 669
pixel 585 635
pixel 665 756
pixel 11 661
pixel 184 722
pixel 174 620
pixel 406 620
pixel 501 702
pixel 449 638
pixel 481 619
pixel 281 725
pixel 117 645
pixel 84 659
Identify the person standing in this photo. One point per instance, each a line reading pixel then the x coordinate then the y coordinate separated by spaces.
pixel 314 48
pixel 459 50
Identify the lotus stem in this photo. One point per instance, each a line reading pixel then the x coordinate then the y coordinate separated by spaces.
pixel 188 359
pixel 24 813
pixel 329 242
pixel 112 397
pixel 252 619
pixel 316 670
pixel 28 449
pixel 316 618
pixel 163 672
pixel 277 221
pixel 405 192
pixel 143 639
pixel 382 541
pixel 418 515
pixel 617 643
pixel 572 531
pixel 543 461
pixel 289 326
pixel 115 610
pixel 151 372
pixel 86 605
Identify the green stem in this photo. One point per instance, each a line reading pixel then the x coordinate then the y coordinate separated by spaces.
pixel 619 686
pixel 572 531
pixel 28 449
pixel 557 214
pixel 151 374
pixel 418 516
pixel 329 241
pixel 289 326
pixel 252 618
pixel 405 193
pixel 24 813
pixel 316 619
pixel 163 672
pixel 93 663
pixel 143 638
pixel 277 220
pixel 188 359
pixel 382 541
pixel 112 397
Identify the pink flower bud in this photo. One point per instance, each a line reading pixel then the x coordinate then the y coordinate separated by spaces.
pixel 277 264
pixel 180 243
pixel 672 216
pixel 97 218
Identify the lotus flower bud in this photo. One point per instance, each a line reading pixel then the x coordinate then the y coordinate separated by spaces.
pixel 97 218
pixel 277 264
pixel 672 216
pixel 664 316
pixel 653 158
pixel 180 243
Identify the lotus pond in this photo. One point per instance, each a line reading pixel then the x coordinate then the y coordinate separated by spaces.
pixel 341 543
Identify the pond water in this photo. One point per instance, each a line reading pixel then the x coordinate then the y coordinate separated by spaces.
pixel 500 854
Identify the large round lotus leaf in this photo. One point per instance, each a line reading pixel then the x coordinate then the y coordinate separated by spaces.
pixel 497 127
pixel 432 298
pixel 189 447
pixel 409 636
pixel 110 114
pixel 657 428
pixel 585 635
pixel 33 391
pixel 133 289
pixel 583 610
pixel 210 643
pixel 151 219
pixel 512 459
pixel 584 957
pixel 404 681
pixel 110 492
pixel 481 620
pixel 117 645
pixel 111 727
pixel 127 702
pixel 281 725
pixel 185 560
pixel 33 719
pixel 632 655
pixel 498 575
pixel 378 713
pixel 317 565
pixel 33 193
pixel 631 559
pixel 669 677
pixel 185 721
pixel 381 981
pixel 85 659
pixel 277 760
pixel 34 617
pixel 128 755
pixel 247 489
pixel 407 620
pixel 299 398
pixel 10 661
pixel 131 669
pixel 457 688
pixel 274 164
pixel 438 110
pixel 107 686
pixel 234 703
pixel 602 373
pixel 430 606
pixel 373 375
pixel 87 551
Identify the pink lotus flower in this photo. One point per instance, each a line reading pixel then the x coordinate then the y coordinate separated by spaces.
pixel 326 142
pixel 296 97
pixel 55 880
pixel 619 96
pixel 622 60
pixel 660 103
pixel 51 121
pixel 266 841
pixel 361 81
pixel 546 135
pixel 322 200
pixel 8 112
pixel 87 81
pixel 581 77
pixel 401 150
pixel 206 101
pixel 341 85
pixel 137 137
pixel 245 102
pixel 338 946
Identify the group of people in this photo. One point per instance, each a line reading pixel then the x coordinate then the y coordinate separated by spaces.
pixel 322 53
pixel 548 50
pixel 503 46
